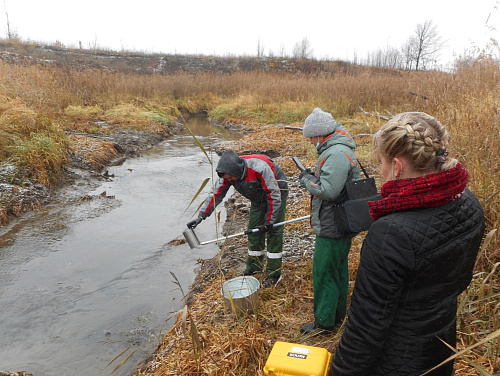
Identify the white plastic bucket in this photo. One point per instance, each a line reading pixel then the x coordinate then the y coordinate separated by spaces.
pixel 241 295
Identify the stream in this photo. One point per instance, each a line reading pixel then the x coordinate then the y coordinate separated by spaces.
pixel 82 283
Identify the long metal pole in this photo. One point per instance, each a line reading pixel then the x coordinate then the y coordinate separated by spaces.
pixel 254 230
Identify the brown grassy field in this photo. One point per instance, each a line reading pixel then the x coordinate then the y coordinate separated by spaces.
pixel 39 103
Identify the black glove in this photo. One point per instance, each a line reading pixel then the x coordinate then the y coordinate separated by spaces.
pixel 306 172
pixel 264 228
pixel 195 222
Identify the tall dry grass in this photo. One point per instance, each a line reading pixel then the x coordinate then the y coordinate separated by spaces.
pixel 467 102
pixel 29 141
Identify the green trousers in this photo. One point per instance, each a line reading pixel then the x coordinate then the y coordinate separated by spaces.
pixel 257 242
pixel 330 280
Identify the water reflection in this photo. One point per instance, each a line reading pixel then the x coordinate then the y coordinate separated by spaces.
pixel 200 127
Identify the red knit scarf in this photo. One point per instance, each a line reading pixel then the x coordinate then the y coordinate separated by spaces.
pixel 423 192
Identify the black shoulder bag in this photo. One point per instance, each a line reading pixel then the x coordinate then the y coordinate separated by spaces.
pixel 351 211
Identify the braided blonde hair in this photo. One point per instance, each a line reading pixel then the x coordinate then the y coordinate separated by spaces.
pixel 417 136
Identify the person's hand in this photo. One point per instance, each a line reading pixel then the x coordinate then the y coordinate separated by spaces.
pixel 306 177
pixel 264 228
pixel 305 173
pixel 302 174
pixel 195 222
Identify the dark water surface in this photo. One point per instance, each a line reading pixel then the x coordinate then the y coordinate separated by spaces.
pixel 81 283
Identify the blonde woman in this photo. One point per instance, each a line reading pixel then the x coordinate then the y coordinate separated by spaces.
pixel 417 257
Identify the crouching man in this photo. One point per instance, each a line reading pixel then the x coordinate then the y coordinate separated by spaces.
pixel 264 183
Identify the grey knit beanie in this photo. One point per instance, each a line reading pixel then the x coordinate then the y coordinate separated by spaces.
pixel 319 123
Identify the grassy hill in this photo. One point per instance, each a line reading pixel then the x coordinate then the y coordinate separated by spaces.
pixel 35 53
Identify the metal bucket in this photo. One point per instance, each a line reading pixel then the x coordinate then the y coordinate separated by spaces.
pixel 191 238
pixel 241 295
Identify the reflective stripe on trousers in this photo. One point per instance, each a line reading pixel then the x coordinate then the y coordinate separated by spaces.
pixel 256 253
pixel 276 255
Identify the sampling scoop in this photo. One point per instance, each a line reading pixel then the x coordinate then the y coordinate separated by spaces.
pixel 194 242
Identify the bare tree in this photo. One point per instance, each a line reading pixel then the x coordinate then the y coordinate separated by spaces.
pixel 260 48
pixel 422 48
pixel 355 57
pixel 93 46
pixel 387 57
pixel 393 57
pixel 282 51
pixel 302 49
pixel 407 60
pixel 11 33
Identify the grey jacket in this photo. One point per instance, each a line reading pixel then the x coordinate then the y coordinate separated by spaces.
pixel 337 164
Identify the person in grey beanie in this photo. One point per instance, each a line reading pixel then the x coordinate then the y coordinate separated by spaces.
pixel 336 165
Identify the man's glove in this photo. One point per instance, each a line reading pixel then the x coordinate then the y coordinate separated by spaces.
pixel 264 228
pixel 195 222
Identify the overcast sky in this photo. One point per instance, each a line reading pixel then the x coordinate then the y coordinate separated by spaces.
pixel 335 29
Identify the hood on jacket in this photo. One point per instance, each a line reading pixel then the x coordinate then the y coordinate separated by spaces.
pixel 230 163
pixel 340 136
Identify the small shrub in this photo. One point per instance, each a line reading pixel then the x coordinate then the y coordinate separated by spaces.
pixel 43 154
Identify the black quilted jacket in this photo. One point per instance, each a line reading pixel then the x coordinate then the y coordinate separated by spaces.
pixel 413 266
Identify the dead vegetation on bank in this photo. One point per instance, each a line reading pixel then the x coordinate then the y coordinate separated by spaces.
pixel 207 340
pixel 49 113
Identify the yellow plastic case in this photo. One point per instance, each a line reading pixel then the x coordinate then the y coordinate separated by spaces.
pixel 291 359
